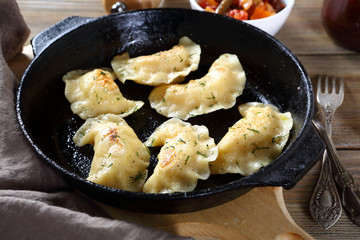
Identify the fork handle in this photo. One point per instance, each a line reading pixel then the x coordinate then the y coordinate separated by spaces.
pixel 329 115
pixel 325 203
pixel 350 196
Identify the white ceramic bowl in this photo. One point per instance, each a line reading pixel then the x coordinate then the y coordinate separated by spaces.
pixel 270 24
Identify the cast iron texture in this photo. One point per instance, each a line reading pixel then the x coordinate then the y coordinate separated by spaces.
pixel 274 75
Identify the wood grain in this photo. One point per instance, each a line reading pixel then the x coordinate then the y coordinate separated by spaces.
pixel 297 203
pixel 304 35
pixel 346 121
pixel 259 214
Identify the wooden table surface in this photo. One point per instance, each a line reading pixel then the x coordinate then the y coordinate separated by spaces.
pixel 304 35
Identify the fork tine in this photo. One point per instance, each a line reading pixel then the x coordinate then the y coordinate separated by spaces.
pixel 341 90
pixel 326 90
pixel 333 83
pixel 333 90
pixel 319 84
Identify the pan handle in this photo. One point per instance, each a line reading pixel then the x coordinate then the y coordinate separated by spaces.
pixel 299 159
pixel 50 35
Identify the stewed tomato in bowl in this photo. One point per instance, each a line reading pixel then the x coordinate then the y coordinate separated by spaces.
pixel 268 15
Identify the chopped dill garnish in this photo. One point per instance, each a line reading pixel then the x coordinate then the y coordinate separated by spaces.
pixel 147 149
pixel 277 138
pixel 152 142
pixel 136 108
pixel 258 148
pixel 254 130
pixel 187 159
pixel 200 153
pixel 182 141
pixel 138 176
pixel 212 97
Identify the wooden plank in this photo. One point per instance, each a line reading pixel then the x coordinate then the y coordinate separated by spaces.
pixel 41 14
pixel 336 65
pixel 346 124
pixel 260 212
pixel 297 202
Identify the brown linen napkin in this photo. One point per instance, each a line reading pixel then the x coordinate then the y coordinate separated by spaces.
pixel 35 202
pixel 12 38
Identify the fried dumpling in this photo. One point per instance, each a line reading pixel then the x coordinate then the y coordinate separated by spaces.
pixel 218 89
pixel 164 67
pixel 120 159
pixel 254 141
pixel 92 93
pixel 183 159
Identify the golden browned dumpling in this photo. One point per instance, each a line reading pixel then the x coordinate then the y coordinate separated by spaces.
pixel 120 159
pixel 218 89
pixel 92 93
pixel 254 141
pixel 183 159
pixel 165 67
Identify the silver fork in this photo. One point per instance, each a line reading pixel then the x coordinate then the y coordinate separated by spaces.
pixel 349 194
pixel 325 203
